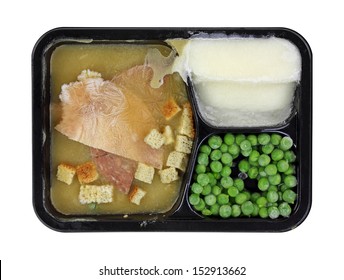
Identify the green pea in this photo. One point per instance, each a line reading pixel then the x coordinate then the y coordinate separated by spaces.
pixel 262 172
pixel 291 170
pixel 263 184
pixel 229 139
pixel 247 208
pixel 239 183
pixel 200 206
pixel 264 160
pixel 277 154
pixel 215 142
pixel 202 179
pixel 286 143
pixel 212 179
pixel 254 156
pixel 253 172
pixel 246 153
pixel 239 138
pixel 275 179
pixel 226 158
pixel 196 188
pixel 289 156
pixel 253 139
pixel 263 138
pixel 206 190
pixel 273 212
pixel 245 145
pixel 216 166
pixel 255 211
pixel 203 158
pixel 194 199
pixel 206 212
pixel 210 199
pixel 289 196
pixel 240 198
pixel 268 148
pixel 232 191
pixel 282 166
pixel 272 196
pixel 222 199
pixel 225 211
pixel 226 171
pixel 205 149
pixel 234 149
pixel 270 169
pixel 216 190
pixel 275 139
pixel 263 212
pixel 236 210
pixel 200 168
pixel 227 182
pixel 215 155
pixel 244 166
pixel 261 201
pixel 224 148
pixel 215 209
pixel 290 181
pixel 284 209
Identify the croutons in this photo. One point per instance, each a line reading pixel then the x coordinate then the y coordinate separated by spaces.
pixel 170 109
pixel 168 175
pixel 186 126
pixel 154 139
pixel 177 160
pixel 136 194
pixel 183 144
pixel 168 135
pixel 87 172
pixel 95 194
pixel 65 173
pixel 144 173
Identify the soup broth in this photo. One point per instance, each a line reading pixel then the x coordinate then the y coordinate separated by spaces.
pixel 67 62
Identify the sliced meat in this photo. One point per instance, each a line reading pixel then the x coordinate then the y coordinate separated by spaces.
pixel 115 169
pixel 113 116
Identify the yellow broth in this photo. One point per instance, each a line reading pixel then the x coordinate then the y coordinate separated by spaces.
pixel 67 62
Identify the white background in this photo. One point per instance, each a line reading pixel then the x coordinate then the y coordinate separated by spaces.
pixel 29 250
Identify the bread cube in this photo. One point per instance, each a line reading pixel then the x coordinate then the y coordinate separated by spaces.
pixel 144 173
pixel 168 175
pixel 95 194
pixel 170 109
pixel 87 172
pixel 65 173
pixel 183 144
pixel 186 125
pixel 136 194
pixel 177 160
pixel 155 139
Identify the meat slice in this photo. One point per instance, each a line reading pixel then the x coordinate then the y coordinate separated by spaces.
pixel 114 116
pixel 115 169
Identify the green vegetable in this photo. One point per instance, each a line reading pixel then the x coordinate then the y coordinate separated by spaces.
pixel 263 138
pixel 229 139
pixel 245 175
pixel 215 155
pixel 225 211
pixel 286 143
pixel 264 160
pixel 247 208
pixel 214 141
pixel 216 166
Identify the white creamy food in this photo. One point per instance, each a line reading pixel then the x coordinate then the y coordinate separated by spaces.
pixel 241 81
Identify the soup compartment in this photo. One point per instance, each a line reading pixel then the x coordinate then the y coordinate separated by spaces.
pixel 181 216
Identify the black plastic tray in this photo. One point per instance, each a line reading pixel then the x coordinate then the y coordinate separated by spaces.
pixel 181 217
